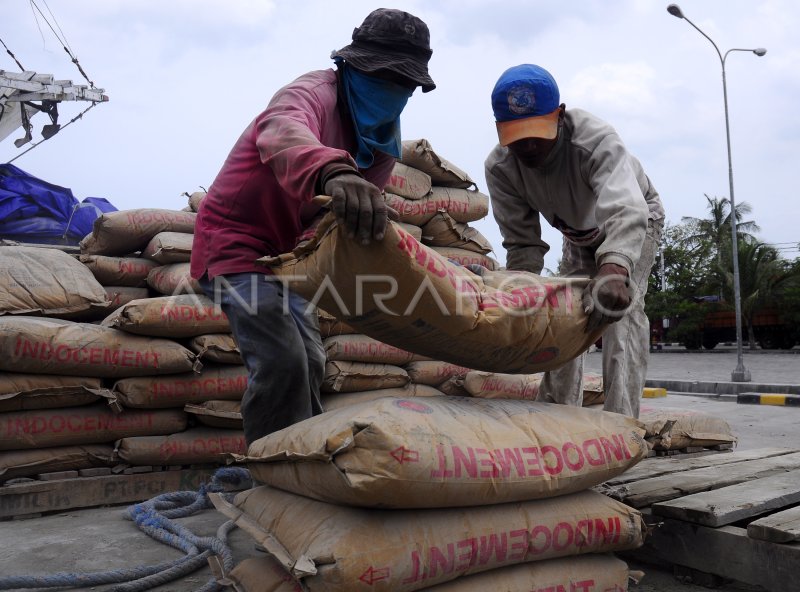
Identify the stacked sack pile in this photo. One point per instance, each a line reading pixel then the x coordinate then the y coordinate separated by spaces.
pixel 98 365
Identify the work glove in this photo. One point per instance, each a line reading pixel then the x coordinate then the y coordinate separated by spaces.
pixel 359 207
pixel 607 297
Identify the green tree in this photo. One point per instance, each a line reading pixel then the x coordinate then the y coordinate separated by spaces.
pixel 762 276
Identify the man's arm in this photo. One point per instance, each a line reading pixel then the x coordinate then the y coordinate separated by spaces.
pixel 519 224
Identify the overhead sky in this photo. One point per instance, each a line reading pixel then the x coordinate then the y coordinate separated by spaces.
pixel 185 77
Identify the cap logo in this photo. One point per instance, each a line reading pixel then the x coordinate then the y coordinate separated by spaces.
pixel 410 29
pixel 521 99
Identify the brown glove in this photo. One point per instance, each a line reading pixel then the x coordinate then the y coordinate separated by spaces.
pixel 607 297
pixel 359 206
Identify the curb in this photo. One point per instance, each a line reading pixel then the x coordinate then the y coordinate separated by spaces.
pixel 768 399
pixel 722 388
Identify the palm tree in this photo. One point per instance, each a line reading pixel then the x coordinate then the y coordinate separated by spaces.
pixel 762 273
pixel 716 229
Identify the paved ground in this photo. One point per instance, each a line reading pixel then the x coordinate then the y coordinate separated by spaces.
pixel 100 539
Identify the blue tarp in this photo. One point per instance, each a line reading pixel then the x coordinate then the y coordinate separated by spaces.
pixel 36 211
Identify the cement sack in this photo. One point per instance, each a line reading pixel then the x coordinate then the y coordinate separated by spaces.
pixel 408 182
pixel 19 392
pixel 175 390
pixel 405 294
pixel 465 257
pixel 495 385
pixel 593 390
pixel 195 199
pixel 121 295
pixel 334 548
pixel 434 373
pixel 584 573
pixel 454 387
pixel 176 317
pixel 462 204
pixel 27 463
pixel 217 414
pixel 46 282
pixel 348 377
pixel 414 231
pixel 44 346
pixel 95 424
pixel 220 348
pixel 119 271
pixel 449 451
pixel 443 231
pixel 339 400
pixel 173 279
pixel 194 446
pixel 671 429
pixel 420 155
pixel 360 348
pixel 169 247
pixel 127 231
pixel 329 325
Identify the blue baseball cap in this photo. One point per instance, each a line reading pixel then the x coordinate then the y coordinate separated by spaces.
pixel 526 102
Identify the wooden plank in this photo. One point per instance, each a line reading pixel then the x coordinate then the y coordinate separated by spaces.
pixel 781 527
pixel 737 502
pixel 653 467
pixel 725 551
pixel 48 496
pixel 640 494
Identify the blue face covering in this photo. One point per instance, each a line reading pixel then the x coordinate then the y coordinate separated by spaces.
pixel 375 107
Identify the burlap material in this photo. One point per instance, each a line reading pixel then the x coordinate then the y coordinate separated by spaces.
pixel 26 463
pixel 169 247
pixel 408 182
pixel 348 377
pixel 434 373
pixel 463 205
pixel 420 155
pixel 361 348
pixel 173 279
pixel 407 295
pixel 443 231
pixel 170 316
pixel 121 233
pixel 195 199
pixel 495 385
pixel 669 428
pixel 220 348
pixel 217 414
pixel 95 424
pixel 175 390
pixel 41 391
pixel 466 257
pixel 339 400
pixel 44 346
pixel 119 271
pixel 440 452
pixel 329 325
pixel 46 282
pixel 334 548
pixel 194 446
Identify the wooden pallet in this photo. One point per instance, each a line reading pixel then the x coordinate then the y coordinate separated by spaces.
pixel 734 515
pixel 34 498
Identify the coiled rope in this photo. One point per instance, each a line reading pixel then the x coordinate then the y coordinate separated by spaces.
pixel 154 517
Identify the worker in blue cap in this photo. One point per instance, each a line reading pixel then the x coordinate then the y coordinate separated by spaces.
pixel 572 169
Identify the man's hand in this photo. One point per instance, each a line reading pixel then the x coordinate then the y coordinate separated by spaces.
pixel 359 205
pixel 607 297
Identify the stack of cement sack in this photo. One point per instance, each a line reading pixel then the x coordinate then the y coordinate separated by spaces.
pixel 95 371
pixel 440 493
pixel 668 428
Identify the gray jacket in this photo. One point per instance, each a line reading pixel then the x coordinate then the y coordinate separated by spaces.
pixel 589 188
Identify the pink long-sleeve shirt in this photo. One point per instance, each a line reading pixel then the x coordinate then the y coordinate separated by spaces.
pixel 259 203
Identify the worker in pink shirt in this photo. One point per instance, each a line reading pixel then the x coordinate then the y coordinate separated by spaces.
pixel 333 132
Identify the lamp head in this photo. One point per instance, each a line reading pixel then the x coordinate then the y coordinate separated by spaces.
pixel 760 51
pixel 675 11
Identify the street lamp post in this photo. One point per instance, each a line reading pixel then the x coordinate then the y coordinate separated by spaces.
pixel 740 374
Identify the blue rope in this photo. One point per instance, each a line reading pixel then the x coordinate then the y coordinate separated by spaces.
pixel 154 518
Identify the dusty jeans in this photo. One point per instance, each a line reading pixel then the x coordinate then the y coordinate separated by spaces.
pixel 281 347
pixel 626 343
